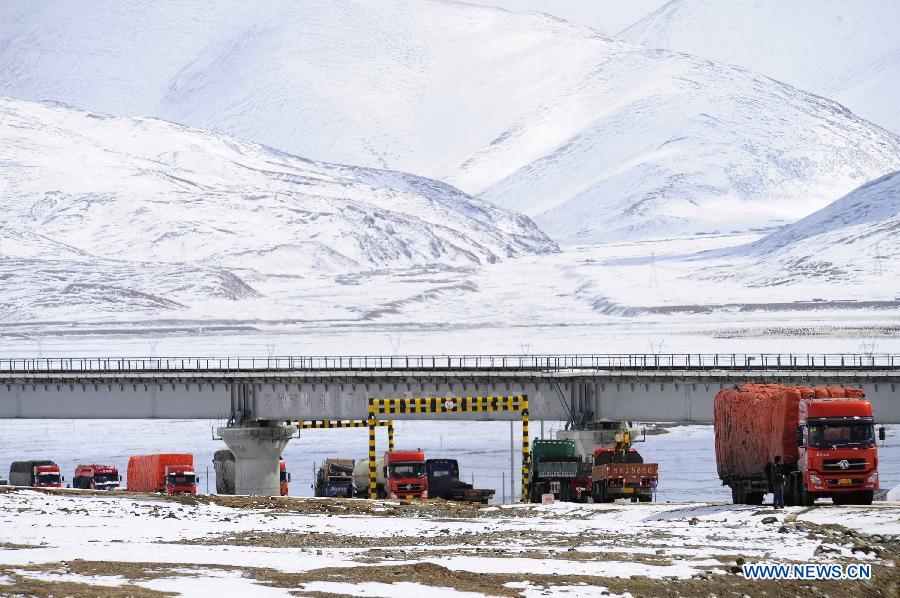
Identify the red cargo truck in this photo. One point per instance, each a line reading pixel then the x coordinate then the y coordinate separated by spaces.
pixel 96 477
pixel 406 475
pixel 825 437
pixel 38 474
pixel 167 473
pixel 620 472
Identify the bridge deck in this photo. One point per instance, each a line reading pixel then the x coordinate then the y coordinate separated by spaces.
pixel 665 387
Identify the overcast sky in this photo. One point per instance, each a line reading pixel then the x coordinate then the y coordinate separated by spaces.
pixel 610 16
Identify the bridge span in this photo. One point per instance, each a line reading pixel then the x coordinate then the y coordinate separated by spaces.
pixel 652 387
pixel 263 399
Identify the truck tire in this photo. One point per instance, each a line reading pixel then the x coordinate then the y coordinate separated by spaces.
pixel 806 499
pixel 865 497
pixel 790 492
pixel 737 494
pixel 754 498
pixel 853 498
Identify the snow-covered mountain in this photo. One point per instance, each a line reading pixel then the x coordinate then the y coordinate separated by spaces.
pixel 101 209
pixel 595 138
pixel 846 50
pixel 855 239
pixel 609 17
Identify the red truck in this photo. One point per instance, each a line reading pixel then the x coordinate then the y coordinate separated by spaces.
pixel 620 472
pixel 37 474
pixel 284 477
pixel 825 437
pixel 406 474
pixel 399 474
pixel 96 477
pixel 167 473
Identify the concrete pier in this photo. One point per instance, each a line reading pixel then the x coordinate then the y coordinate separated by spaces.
pixel 257 448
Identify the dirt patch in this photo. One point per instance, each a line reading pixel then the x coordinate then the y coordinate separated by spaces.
pixel 884 583
pixel 13 546
pixel 23 585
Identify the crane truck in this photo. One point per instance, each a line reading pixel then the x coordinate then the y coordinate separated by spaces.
pixel 825 437
pixel 620 472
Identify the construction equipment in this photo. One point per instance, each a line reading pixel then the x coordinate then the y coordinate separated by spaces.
pixel 619 471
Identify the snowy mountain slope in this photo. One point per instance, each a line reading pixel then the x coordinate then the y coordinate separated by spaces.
pixel 595 138
pixel 609 17
pixel 855 239
pixel 180 204
pixel 847 50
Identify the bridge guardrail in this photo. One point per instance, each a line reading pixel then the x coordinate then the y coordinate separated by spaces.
pixel 364 363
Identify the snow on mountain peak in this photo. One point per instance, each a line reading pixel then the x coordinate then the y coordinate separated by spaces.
pixel 597 139
pixel 847 50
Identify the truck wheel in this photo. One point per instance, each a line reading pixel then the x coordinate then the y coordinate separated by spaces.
pixel 853 498
pixel 806 499
pixel 754 498
pixel 737 495
pixel 604 493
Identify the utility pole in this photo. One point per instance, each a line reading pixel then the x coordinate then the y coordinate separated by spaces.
pixel 512 461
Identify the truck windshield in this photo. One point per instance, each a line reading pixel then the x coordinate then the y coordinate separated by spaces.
pixel 826 435
pixel 406 470
pixel 440 471
pixel 47 478
pixel 180 479
pixel 106 478
pixel 283 476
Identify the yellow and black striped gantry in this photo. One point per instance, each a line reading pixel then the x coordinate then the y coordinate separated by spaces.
pixel 310 424
pixel 422 405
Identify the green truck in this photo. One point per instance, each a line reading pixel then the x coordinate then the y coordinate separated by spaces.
pixel 555 468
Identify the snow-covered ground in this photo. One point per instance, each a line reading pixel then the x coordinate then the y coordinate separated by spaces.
pixel 269 546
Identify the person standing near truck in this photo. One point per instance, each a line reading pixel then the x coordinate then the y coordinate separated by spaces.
pixel 777 484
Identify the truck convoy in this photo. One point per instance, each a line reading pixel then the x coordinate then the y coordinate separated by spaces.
pixel 335 478
pixel 37 474
pixel 825 437
pixel 166 473
pixel 620 472
pixel 444 482
pixel 96 477
pixel 223 464
pixel 399 474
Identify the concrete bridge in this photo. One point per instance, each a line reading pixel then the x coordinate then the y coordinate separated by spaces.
pixel 258 395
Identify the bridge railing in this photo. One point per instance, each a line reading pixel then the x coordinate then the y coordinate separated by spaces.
pixel 363 363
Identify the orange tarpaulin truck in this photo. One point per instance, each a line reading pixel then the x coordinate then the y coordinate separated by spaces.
pixel 167 473
pixel 825 437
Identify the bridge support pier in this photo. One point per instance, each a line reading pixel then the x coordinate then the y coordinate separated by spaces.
pixel 257 447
